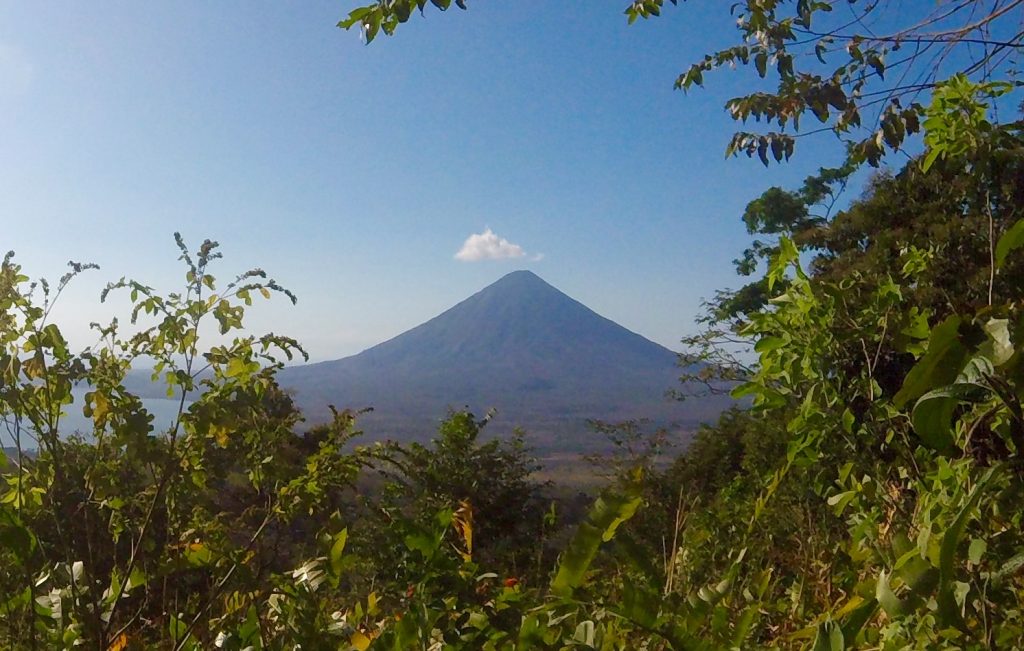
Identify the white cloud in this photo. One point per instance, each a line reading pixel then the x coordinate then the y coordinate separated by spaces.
pixel 489 246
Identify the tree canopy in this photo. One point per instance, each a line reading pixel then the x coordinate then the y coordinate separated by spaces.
pixel 864 494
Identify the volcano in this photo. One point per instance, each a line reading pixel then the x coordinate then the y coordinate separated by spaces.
pixel 544 361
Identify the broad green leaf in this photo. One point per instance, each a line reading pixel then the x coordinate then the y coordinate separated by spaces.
pixel 745 389
pixel 421 542
pixel 1010 240
pixel 198 554
pixel 949 612
pixel 786 256
pixel 178 631
pixel 829 638
pixel 249 631
pixel 940 364
pixel 998 331
pixel 933 414
pixel 761 63
pixel 359 641
pixel 96 406
pixel 640 560
pixel 744 625
pixel 639 605
pixel 55 339
pixel 848 421
pixel 976 550
pixel 337 549
pixel 857 619
pixel 920 576
pixel 886 598
pixel 610 510
pixel 977 371
pixel 235 367
pixel 137 578
pixel 768 344
pixel 531 634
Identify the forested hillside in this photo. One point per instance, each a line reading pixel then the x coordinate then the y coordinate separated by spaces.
pixel 868 499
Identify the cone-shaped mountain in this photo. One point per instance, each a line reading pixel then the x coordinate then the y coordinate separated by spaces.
pixel 544 360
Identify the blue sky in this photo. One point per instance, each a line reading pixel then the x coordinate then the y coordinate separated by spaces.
pixel 354 173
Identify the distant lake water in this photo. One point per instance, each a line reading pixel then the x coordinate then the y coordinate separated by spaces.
pixel 164 411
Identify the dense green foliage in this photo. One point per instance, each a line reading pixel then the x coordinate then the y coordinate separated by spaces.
pixel 867 499
pixel 867 495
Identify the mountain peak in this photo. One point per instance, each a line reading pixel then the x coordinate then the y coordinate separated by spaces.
pixel 519 317
pixel 521 273
pixel 520 345
pixel 523 277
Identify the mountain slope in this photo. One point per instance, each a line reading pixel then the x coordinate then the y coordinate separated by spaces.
pixel 544 360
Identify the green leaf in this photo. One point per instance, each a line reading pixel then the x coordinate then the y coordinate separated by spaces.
pixel 976 550
pixel 1011 240
pixel 640 560
pixel 761 63
pixel 1009 568
pixel 745 625
pixel 940 364
pixel 857 619
pixel 427 541
pixel 829 638
pixel 933 414
pixel 337 549
pixel 198 554
pixel 56 340
pixel 236 366
pixel 787 255
pixel 178 629
pixel 639 605
pixel 14 536
pixel 610 510
pixel 18 600
pixel 919 575
pixel 137 578
pixel 977 371
pixel 998 331
pixel 403 11
pixel 531 633
pixel 768 344
pixel 931 419
pixel 886 598
pixel 877 64
pixel 949 612
pixel 745 389
pixel 848 421
pixel 354 16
